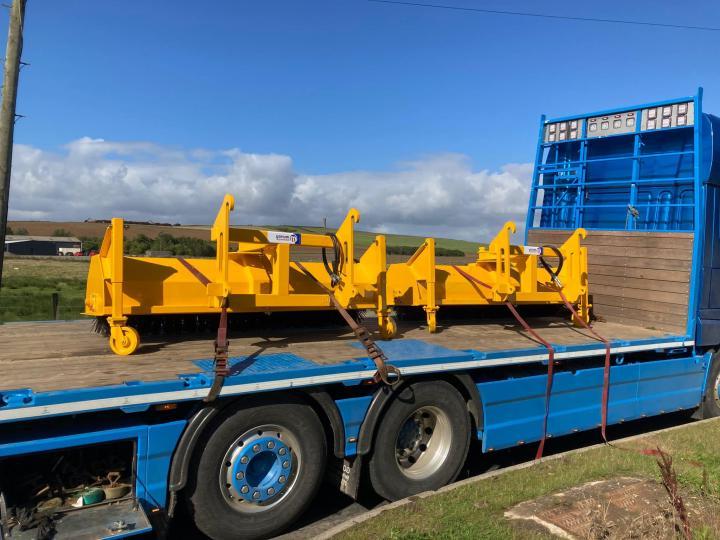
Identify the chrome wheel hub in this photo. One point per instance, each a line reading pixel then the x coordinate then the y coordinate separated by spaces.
pixel 423 442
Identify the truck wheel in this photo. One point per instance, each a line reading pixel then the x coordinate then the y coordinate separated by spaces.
pixel 258 471
pixel 422 440
pixel 711 399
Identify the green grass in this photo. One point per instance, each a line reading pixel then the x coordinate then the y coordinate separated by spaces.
pixel 363 239
pixel 476 510
pixel 28 284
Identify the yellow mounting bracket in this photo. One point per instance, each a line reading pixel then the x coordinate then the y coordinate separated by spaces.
pixel 346 236
pixel 574 273
pixel 422 268
pixel 281 284
pixel 499 250
pixel 219 291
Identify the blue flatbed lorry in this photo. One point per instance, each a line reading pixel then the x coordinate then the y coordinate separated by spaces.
pixel 95 446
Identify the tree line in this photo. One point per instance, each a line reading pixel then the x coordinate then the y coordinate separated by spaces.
pixel 174 245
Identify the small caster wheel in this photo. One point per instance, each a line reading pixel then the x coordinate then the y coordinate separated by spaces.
pixel 127 343
pixel 388 330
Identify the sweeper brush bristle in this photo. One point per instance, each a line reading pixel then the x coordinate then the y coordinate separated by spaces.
pixel 182 325
pixel 101 326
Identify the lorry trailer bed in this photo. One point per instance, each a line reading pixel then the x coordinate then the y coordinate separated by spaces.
pixel 52 356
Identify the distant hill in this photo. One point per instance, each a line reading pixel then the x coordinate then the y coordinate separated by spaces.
pixel 47 228
pixel 94 229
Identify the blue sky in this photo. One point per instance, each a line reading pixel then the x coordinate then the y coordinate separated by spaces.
pixel 347 85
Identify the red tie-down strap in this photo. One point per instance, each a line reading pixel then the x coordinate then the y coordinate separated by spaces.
pixel 606 370
pixel 222 345
pixel 546 344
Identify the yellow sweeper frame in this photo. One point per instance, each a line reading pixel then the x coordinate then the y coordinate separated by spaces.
pixel 253 272
pixel 256 276
pixel 512 273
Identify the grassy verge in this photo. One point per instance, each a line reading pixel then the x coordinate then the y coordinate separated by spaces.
pixel 28 284
pixel 476 510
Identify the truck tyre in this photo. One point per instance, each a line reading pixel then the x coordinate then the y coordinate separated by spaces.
pixel 257 470
pixel 422 440
pixel 710 407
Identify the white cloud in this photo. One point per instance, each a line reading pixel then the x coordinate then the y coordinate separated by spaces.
pixel 439 195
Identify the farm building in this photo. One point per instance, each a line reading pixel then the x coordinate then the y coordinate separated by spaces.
pixel 42 245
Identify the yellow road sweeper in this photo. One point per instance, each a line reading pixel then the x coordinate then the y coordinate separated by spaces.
pixel 253 272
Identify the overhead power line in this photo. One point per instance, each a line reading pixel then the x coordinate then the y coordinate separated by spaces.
pixel 547 16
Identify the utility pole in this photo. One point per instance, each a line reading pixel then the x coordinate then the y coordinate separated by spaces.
pixel 11 74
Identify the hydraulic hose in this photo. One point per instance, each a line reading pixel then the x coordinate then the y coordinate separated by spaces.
pixel 335 267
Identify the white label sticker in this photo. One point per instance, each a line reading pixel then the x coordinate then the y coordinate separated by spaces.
pixel 278 237
pixel 532 250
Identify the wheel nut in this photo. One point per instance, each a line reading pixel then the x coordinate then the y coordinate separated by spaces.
pixel 281 479
pixel 271 491
pixel 271 445
pixel 244 459
pixel 256 495
pixel 244 489
pixel 239 476
pixel 281 451
pixel 286 464
pixel 256 448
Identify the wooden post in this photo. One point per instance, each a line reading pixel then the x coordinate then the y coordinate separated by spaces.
pixel 7 112
pixel 55 306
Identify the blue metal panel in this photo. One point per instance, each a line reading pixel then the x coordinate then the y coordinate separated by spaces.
pixel 402 351
pixel 256 364
pixel 707 286
pixel 20 442
pixel 161 442
pixel 658 165
pixel 701 198
pixel 707 359
pixel 352 411
pixel 595 182
pixel 514 408
pixel 670 385
pixel 534 186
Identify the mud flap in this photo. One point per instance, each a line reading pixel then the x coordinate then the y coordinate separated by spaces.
pixel 350 478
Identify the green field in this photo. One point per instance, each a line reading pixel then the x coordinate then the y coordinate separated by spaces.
pixel 476 510
pixel 28 284
pixel 363 239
